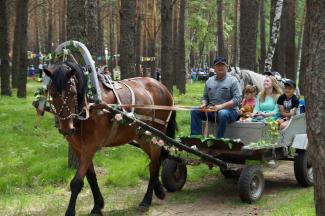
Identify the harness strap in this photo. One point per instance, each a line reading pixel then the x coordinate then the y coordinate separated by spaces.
pixel 148 118
pixel 116 95
pixel 132 95
pixel 112 133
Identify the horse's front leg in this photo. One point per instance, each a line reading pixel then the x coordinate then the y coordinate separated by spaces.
pixel 98 198
pixel 77 182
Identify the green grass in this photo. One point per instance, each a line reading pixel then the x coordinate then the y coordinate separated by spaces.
pixel 33 165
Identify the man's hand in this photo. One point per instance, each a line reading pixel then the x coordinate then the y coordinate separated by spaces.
pixel 217 107
pixel 202 106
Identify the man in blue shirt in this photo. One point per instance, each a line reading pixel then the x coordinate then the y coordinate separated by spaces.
pixel 222 93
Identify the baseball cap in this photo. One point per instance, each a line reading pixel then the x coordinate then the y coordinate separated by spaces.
pixel 220 60
pixel 290 83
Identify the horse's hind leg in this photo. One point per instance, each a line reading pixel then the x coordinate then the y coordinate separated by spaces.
pixel 154 183
pixel 98 198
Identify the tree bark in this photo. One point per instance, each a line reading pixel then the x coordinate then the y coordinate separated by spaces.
pixel 101 45
pixel 111 39
pixel 166 44
pixel 262 37
pixel 76 20
pixel 175 38
pixel 248 33
pixel 181 65
pixel 63 13
pixel 22 18
pixel 50 27
pixel 4 50
pixel 16 49
pixel 274 35
pixel 220 29
pixel 128 38
pixel 235 52
pixel 139 22
pixel 304 53
pixel 315 98
pixel 284 56
pixel 91 18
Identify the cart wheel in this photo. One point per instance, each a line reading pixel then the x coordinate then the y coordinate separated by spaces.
pixel 228 173
pixel 173 175
pixel 251 184
pixel 303 169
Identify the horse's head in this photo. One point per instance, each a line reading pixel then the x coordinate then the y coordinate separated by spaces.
pixel 67 91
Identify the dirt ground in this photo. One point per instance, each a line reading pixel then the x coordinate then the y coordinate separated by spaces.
pixel 213 195
pixel 223 199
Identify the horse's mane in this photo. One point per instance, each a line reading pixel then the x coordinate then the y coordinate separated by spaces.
pixel 60 80
pixel 248 77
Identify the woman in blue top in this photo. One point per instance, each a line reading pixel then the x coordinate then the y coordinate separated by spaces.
pixel 266 102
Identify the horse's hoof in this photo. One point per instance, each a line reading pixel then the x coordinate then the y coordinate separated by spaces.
pixel 161 194
pixel 143 207
pixel 68 213
pixel 96 212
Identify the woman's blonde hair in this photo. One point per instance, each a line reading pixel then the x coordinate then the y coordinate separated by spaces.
pixel 276 90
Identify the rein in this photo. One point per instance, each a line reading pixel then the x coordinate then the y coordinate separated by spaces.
pixel 161 107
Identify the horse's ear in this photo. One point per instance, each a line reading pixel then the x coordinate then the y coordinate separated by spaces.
pixel 47 72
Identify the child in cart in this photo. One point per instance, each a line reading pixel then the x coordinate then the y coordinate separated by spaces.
pixel 248 103
pixel 288 104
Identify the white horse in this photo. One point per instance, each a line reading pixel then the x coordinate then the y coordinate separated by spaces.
pixel 248 77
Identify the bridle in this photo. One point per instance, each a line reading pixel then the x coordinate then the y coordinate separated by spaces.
pixel 59 113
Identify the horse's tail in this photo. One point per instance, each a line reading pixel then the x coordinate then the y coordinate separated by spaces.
pixel 172 125
pixel 170 131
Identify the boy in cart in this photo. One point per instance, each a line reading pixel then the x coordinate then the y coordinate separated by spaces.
pixel 288 104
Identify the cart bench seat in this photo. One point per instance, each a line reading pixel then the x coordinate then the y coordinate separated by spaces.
pixel 250 132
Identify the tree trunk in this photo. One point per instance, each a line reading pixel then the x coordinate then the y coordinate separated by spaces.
pixel 138 37
pixel 181 69
pixel 50 27
pixel 101 46
pixel 220 30
pixel 166 44
pixel 284 56
pixel 22 18
pixel 63 13
pixel 235 52
pixel 92 26
pixel 111 39
pixel 76 20
pixel 16 49
pixel 274 35
pixel 37 29
pixel 248 33
pixel 76 31
pixel 304 53
pixel 315 98
pixel 4 50
pixel 290 45
pixel 262 37
pixel 272 14
pixel 175 37
pixel 128 38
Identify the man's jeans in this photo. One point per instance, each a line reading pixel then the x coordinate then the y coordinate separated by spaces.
pixel 222 116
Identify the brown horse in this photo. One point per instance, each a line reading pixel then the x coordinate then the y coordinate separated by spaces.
pixel 68 91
